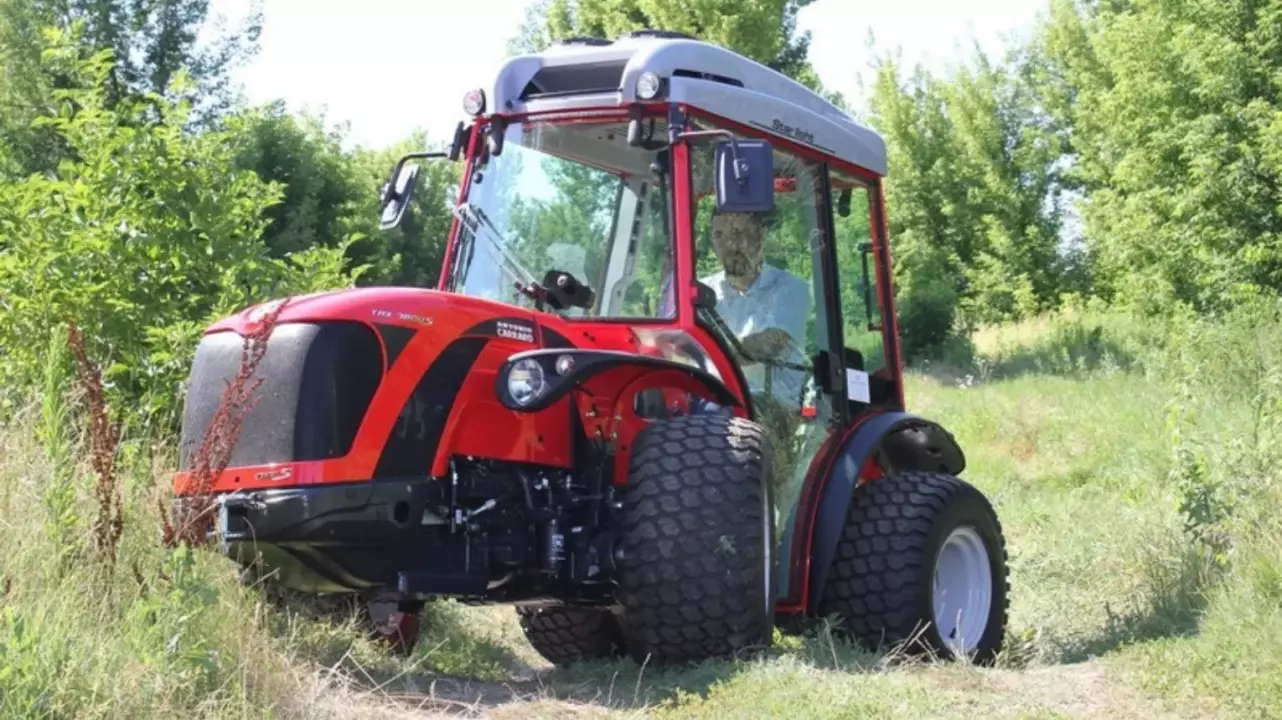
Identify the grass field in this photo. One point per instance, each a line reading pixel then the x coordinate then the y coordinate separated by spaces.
pixel 1134 466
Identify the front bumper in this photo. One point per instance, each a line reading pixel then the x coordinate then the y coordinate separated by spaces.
pixel 334 538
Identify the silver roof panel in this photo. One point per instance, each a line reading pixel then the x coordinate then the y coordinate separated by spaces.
pixel 605 75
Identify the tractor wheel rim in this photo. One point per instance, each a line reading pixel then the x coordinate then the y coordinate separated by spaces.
pixel 962 590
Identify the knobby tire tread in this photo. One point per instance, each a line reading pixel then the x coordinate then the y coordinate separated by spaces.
pixel 693 529
pixel 879 579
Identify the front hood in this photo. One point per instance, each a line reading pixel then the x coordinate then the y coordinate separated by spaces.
pixel 407 307
pixel 450 315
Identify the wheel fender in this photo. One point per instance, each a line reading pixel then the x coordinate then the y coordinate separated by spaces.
pixel 615 371
pixel 898 441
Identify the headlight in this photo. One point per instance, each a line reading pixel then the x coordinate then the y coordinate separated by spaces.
pixel 525 381
pixel 648 86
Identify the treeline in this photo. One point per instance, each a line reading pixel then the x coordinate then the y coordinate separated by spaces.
pixel 141 196
pixel 1128 151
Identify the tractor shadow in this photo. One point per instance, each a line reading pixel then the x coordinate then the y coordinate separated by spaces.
pixel 1171 605
pixel 1173 608
pixel 459 673
pixel 619 685
pixel 626 685
pixel 589 688
pixel 1072 351
pixel 464 664
pixel 472 662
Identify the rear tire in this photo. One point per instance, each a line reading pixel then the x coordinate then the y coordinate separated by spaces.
pixel 697 566
pixel 921 551
pixel 568 635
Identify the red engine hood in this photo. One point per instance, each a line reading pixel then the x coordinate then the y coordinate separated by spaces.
pixel 410 307
pixel 449 314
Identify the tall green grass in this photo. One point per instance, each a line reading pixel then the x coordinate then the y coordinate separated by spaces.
pixel 163 632
pixel 1134 464
pixel 167 632
pixel 1138 465
pixel 1225 423
pixel 159 632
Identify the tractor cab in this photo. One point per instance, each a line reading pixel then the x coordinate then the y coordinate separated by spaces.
pixel 664 194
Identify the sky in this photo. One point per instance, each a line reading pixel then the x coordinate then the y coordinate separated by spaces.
pixel 387 67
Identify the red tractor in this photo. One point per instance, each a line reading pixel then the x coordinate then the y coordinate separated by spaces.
pixel 655 401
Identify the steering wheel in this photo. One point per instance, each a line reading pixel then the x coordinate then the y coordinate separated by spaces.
pixel 563 291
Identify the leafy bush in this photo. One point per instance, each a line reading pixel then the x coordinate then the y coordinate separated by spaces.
pixel 142 238
pixel 926 317
pixel 1225 421
pixel 1224 426
pixel 926 299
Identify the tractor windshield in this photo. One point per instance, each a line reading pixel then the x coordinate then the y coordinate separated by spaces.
pixel 569 197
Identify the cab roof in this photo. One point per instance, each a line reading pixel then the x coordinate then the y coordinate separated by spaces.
pixel 591 72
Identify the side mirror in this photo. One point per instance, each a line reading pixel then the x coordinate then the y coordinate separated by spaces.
pixel 396 196
pixel 744 176
pixel 843 203
pixel 462 134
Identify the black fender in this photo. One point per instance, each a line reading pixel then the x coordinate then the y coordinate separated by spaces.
pixel 590 363
pixel 900 441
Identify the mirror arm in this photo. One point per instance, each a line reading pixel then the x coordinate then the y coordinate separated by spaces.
pixel 396 171
pixel 740 167
pixel 415 156
pixel 496 133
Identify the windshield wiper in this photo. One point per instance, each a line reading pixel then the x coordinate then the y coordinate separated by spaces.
pixel 476 221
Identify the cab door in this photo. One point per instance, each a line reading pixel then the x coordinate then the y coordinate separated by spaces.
pixel 776 308
pixel 851 368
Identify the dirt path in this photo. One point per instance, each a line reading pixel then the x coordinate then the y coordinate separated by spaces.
pixel 1093 689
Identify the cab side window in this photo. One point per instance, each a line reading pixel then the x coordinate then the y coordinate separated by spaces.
pixel 857 281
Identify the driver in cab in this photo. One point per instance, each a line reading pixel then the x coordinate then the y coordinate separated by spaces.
pixel 764 306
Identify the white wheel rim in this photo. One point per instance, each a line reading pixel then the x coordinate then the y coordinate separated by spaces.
pixel 963 590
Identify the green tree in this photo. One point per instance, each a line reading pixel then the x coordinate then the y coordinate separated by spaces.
pixel 150 42
pixel 1171 112
pixel 331 196
pixel 308 161
pixel 1009 156
pixel 929 219
pixel 974 195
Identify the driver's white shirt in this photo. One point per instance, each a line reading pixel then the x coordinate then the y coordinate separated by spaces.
pixel 775 299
